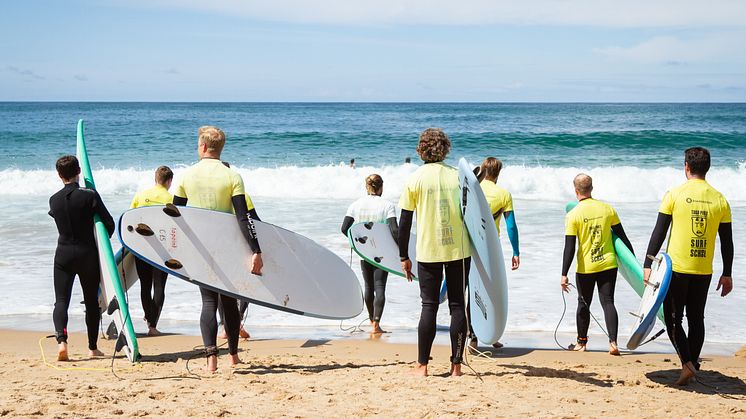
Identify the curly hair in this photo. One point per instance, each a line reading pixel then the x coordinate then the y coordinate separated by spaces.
pixel 433 146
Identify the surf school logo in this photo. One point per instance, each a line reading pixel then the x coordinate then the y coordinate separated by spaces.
pixel 699 225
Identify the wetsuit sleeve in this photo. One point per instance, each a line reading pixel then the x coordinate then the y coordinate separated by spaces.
pixel 619 231
pixel 405 225
pixel 253 214
pixel 346 224
pixel 180 201
pixel 512 232
pixel 245 223
pixel 394 228
pixel 568 253
pixel 725 231
pixel 658 237
pixel 100 209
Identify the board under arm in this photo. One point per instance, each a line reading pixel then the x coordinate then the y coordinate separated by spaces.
pixel 394 228
pixel 619 231
pixel 657 238
pixel 245 223
pixel 346 224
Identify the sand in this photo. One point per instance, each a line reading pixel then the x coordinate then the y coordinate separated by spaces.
pixel 356 377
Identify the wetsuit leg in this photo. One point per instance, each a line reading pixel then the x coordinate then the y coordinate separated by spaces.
pixel 585 284
pixel 89 274
pixel 63 288
pixel 457 272
pixel 369 294
pixel 606 281
pixel 431 276
pixel 208 322
pixel 145 273
pixel 695 313
pixel 379 278
pixel 242 306
pixel 159 293
pixel 673 311
pixel 232 322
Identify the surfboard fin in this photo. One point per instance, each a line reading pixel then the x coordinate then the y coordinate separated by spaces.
pixel 171 210
pixel 173 264
pixel 113 306
pixel 111 331
pixel 121 343
pixel 368 225
pixel 144 230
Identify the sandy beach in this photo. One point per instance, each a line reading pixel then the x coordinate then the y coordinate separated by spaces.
pixel 355 377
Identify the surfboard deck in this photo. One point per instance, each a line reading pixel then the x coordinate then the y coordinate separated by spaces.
pixel 111 284
pixel 488 286
pixel 652 300
pixel 207 248
pixel 628 265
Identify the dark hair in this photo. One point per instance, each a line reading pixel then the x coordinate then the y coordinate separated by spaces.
pixel 68 167
pixel 698 159
pixel 433 146
pixel 163 174
pixel 373 184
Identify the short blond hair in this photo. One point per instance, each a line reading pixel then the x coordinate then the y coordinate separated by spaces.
pixel 213 137
pixel 583 183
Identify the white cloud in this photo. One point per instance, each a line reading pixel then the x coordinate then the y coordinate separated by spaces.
pixel 614 13
pixel 674 51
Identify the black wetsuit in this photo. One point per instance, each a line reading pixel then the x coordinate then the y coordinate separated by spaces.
pixel 155 280
pixel 208 321
pixel 73 210
pixel 606 282
pixel 430 280
pixel 375 279
pixel 688 290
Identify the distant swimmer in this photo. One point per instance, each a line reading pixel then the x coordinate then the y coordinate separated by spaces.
pixel 152 280
pixel 352 163
pixel 73 209
pixel 407 160
pixel 501 205
pixel 373 208
pixel 211 185
pixel 433 192
pixel 696 213
pixel 591 223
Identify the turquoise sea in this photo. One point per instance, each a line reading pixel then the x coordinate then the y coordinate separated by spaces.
pixel 293 157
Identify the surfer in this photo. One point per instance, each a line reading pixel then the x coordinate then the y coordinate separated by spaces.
pixel 592 222
pixel 696 213
pixel 73 209
pixel 442 244
pixel 373 208
pixel 501 205
pixel 211 185
pixel 152 280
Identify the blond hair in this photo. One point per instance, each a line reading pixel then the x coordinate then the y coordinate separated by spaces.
pixel 433 146
pixel 212 137
pixel 490 168
pixel 583 184
pixel 374 184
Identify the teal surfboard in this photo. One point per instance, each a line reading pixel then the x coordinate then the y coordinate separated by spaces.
pixel 111 283
pixel 629 267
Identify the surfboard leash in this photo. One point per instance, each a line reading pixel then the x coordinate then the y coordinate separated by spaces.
pixel 564 311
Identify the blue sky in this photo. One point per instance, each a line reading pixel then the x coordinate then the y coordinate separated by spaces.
pixel 351 50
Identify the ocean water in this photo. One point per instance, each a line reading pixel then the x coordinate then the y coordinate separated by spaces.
pixel 293 158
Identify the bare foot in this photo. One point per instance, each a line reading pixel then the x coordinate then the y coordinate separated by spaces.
pixel 223 334
pixel 687 373
pixel 613 349
pixel 456 370
pixel 243 334
pixel 152 331
pixel 212 364
pixel 377 328
pixel 235 360
pixel 62 352
pixel 420 370
pixel 95 353
pixel 497 345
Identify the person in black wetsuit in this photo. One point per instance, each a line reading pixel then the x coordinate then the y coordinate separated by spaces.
pixel 73 209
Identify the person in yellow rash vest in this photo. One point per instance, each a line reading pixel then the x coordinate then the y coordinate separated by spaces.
pixel 696 213
pixel 210 185
pixel 152 280
pixel 501 206
pixel 442 245
pixel 591 223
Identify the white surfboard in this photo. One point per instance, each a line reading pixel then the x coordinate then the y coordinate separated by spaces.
pixel 207 248
pixel 652 299
pixel 488 286
pixel 127 274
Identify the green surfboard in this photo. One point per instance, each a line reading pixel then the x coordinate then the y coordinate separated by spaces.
pixel 629 267
pixel 111 283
